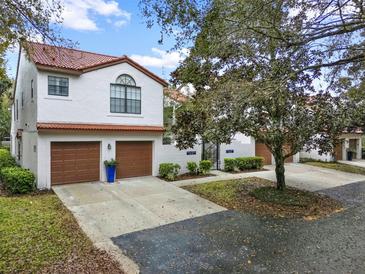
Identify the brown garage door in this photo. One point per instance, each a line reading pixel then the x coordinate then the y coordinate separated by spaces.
pixel 290 158
pixel 338 151
pixel 263 151
pixel 134 159
pixel 75 162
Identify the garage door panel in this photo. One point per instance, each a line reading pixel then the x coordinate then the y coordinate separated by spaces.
pixel 134 159
pixel 73 162
pixel 263 151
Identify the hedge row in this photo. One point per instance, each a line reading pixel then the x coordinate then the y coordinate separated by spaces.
pixel 170 171
pixel 243 163
pixel 16 180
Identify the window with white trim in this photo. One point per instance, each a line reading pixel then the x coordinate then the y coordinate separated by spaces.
pixel 31 89
pixel 57 86
pixel 125 96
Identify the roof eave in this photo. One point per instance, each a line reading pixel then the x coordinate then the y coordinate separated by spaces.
pixel 126 59
pixel 58 69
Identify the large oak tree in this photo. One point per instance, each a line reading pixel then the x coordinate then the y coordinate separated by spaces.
pixel 257 66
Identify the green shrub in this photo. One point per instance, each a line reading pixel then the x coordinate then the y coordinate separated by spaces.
pixel 205 166
pixel 244 163
pixel 6 160
pixel 169 171
pixel 110 162
pixel 229 164
pixel 192 167
pixel 18 180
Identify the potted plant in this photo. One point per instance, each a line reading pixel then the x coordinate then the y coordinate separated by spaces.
pixel 110 169
pixel 350 154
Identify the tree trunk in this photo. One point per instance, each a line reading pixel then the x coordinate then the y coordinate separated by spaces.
pixel 280 172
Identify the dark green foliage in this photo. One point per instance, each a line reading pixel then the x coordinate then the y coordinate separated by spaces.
pixel 17 180
pixel 192 167
pixel 260 60
pixel 5 114
pixel 205 166
pixel 23 21
pixel 244 163
pixel 169 171
pixel 111 162
pixel 229 164
pixel 6 160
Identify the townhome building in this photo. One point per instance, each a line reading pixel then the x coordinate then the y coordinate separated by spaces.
pixel 74 109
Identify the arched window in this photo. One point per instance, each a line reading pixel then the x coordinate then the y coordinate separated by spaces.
pixel 125 79
pixel 125 96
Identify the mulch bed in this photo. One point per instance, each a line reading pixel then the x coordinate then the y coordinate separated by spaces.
pixel 316 205
pixel 187 176
pixel 90 261
pixel 320 205
pixel 246 171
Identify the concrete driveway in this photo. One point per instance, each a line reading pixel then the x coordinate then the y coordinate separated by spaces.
pixel 131 205
pixel 108 210
pixel 298 175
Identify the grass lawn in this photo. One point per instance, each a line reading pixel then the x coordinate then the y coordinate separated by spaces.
pixel 259 196
pixel 338 166
pixel 39 235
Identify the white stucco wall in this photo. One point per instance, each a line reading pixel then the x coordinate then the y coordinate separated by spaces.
pixel 89 98
pixel 171 154
pixel 313 154
pixel 29 151
pixel 242 146
pixel 28 112
pixel 44 150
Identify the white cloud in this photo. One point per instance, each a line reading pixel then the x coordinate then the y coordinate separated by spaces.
pixel 161 58
pixel 81 14
pixel 120 23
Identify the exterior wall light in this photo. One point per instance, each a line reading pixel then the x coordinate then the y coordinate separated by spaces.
pixel 109 146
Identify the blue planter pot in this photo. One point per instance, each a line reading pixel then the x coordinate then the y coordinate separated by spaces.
pixel 110 173
pixel 349 155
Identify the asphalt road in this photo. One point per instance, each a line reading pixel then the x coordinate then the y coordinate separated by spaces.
pixel 234 242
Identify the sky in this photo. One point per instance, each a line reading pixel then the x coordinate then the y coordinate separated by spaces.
pixel 114 28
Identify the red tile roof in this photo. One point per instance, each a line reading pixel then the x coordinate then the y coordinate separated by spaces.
pixel 175 95
pixel 97 127
pixel 66 58
pixel 79 61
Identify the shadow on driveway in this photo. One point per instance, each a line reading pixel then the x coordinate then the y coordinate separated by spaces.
pixel 230 241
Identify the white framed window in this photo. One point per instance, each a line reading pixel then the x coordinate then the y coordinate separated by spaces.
pixel 57 86
pixel 125 96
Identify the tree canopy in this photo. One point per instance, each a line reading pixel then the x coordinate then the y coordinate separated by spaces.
pixel 22 20
pixel 256 65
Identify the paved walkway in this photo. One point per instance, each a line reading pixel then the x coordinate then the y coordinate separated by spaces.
pixel 354 162
pixel 297 175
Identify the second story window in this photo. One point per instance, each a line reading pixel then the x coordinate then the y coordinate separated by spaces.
pixel 16 110
pixel 31 89
pixel 57 86
pixel 125 96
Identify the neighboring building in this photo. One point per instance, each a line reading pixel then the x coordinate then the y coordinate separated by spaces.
pixel 240 145
pixel 350 140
